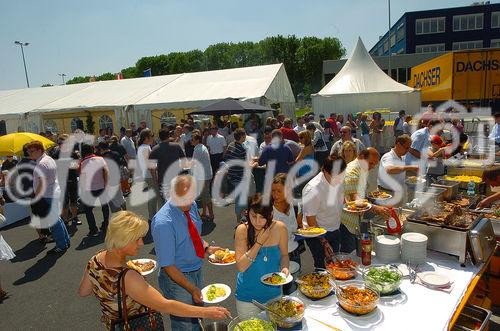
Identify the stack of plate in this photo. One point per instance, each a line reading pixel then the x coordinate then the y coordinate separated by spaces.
pixel 388 248
pixel 414 247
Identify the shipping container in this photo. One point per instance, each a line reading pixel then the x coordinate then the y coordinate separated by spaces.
pixel 465 76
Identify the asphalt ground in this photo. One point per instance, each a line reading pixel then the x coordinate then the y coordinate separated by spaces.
pixel 43 288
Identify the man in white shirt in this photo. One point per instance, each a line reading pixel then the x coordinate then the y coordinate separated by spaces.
pixel 300 125
pixel 346 135
pixel 202 172
pixel 47 193
pixel 217 145
pixel 128 144
pixel 398 124
pixel 392 169
pixel 322 201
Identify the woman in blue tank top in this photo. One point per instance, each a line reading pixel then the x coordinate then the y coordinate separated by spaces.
pixel 261 247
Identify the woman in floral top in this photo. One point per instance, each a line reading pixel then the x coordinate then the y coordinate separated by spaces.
pixel 124 238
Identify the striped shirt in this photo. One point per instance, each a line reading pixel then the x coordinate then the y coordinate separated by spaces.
pixel 355 181
pixel 235 151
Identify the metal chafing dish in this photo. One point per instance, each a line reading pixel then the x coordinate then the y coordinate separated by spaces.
pixel 451 188
pixel 472 318
pixel 472 235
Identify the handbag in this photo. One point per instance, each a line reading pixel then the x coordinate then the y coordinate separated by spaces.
pixel 148 321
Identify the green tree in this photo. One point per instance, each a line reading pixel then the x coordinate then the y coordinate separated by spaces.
pixel 78 80
pixel 302 57
pixel 106 76
pixel 131 72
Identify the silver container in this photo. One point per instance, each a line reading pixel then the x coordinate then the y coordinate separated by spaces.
pixel 215 326
pixel 450 186
pixel 471 317
pixel 482 240
pixel 433 194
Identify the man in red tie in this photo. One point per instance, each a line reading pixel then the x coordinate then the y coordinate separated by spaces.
pixel 180 250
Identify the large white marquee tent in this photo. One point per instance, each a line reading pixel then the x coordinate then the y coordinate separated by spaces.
pixel 361 85
pixel 134 99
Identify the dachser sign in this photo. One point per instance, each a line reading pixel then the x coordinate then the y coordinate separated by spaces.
pixel 479 65
pixel 427 78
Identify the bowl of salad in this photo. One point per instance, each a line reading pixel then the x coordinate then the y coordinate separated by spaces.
pixel 289 311
pixel 384 278
pixel 251 322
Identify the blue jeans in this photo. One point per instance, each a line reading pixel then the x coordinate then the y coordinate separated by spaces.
pixel 60 234
pixel 317 250
pixel 174 291
pixel 58 229
pixel 348 241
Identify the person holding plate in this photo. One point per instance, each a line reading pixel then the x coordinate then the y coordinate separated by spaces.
pixel 261 246
pixel 124 238
pixel 176 229
pixel 322 200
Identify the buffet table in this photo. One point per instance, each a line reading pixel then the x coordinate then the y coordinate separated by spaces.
pixel 415 308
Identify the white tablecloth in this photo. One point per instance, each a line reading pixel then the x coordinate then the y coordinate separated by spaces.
pixel 416 308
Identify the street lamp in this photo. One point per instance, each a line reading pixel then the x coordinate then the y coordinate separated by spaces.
pixel 24 61
pixel 62 76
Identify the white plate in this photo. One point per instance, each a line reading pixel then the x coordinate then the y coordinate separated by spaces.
pixel 212 256
pixel 288 279
pixel 219 299
pixel 145 273
pixel 368 207
pixel 434 279
pixel 414 238
pixel 294 267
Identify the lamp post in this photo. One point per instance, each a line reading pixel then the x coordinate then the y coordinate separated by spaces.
pixel 62 76
pixel 24 60
pixel 390 47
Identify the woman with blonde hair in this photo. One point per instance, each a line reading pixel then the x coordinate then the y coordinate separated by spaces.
pixel 103 272
pixel 348 151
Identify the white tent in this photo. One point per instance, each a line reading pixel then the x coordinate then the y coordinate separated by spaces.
pixel 260 84
pixel 135 98
pixel 361 85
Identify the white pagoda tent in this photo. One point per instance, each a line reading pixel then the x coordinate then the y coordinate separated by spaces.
pixel 361 85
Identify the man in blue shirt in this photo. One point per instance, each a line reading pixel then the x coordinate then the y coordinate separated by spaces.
pixel 420 143
pixel 278 152
pixel 176 229
pixel 495 131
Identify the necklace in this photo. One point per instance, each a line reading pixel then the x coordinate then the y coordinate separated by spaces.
pixel 265 256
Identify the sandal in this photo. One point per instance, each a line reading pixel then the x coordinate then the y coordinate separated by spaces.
pixel 3 295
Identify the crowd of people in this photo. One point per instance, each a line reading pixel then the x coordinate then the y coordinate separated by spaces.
pixel 332 157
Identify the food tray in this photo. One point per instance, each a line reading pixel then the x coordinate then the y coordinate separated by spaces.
pixel 415 217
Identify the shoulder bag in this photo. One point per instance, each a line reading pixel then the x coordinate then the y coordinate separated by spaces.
pixel 148 321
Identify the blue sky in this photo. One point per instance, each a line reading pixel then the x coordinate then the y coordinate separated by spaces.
pixel 95 36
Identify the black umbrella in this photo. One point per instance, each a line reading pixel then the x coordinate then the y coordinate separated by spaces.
pixel 231 106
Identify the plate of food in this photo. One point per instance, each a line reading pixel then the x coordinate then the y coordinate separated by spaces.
pixel 311 232
pixel 143 266
pixel 276 279
pixel 357 206
pixel 379 195
pixel 215 293
pixel 414 180
pixel 222 257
